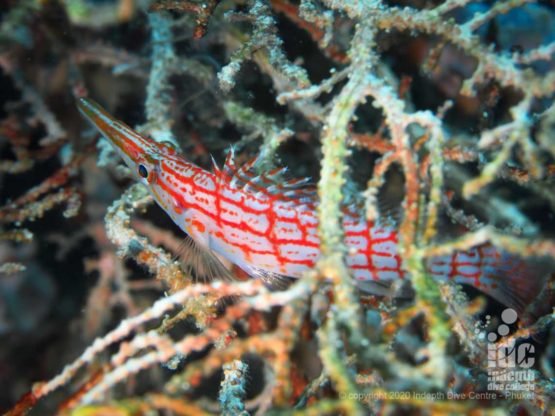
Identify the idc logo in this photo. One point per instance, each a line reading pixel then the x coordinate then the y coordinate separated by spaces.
pixel 508 356
pixel 509 364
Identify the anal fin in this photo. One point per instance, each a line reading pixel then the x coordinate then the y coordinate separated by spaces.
pixel 273 281
pixel 398 289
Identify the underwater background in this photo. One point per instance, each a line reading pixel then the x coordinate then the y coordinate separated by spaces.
pixel 436 118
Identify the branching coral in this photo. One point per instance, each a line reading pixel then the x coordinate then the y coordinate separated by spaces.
pixel 450 123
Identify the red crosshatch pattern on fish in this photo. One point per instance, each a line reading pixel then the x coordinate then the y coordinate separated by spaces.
pixel 268 226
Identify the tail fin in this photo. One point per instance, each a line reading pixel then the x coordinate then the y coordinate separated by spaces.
pixel 510 279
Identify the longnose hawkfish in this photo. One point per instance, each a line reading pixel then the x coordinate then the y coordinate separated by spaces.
pixel 268 227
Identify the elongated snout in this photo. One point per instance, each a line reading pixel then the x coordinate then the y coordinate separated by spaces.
pixel 130 144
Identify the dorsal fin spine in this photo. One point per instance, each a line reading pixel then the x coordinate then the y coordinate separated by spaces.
pixel 271 183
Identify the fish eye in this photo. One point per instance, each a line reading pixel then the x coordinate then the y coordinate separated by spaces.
pixel 143 171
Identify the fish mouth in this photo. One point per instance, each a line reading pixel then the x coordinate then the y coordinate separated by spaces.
pixel 128 142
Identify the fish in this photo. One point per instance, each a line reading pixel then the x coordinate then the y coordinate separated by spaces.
pixel 268 226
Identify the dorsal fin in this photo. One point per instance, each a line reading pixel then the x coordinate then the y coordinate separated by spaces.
pixel 249 178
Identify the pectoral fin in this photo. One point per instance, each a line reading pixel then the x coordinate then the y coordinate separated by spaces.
pixel 202 262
